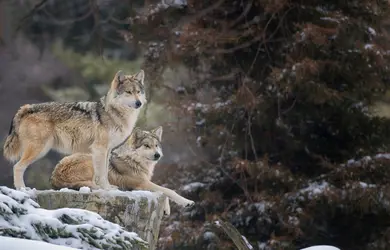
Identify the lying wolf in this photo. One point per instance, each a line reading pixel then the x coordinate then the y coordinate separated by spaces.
pixel 131 166
pixel 77 127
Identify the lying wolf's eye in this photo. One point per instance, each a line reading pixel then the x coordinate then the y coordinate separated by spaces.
pixel 146 146
pixel 128 92
pixel 138 92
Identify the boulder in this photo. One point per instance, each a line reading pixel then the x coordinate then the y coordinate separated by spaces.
pixel 137 211
pixel 21 217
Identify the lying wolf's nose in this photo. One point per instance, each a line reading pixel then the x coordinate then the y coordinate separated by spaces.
pixel 138 104
pixel 156 156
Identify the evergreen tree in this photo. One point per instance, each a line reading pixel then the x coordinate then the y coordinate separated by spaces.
pixel 295 80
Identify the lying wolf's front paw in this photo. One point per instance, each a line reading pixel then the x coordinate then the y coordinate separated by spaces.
pixel 188 203
pixel 19 185
pixel 167 208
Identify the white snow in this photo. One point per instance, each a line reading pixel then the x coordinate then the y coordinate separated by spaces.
pixel 379 156
pixel 152 196
pixel 209 236
pixel 175 3
pixel 22 215
pixel 367 159
pixel 19 244
pixel 371 31
pixel 193 186
pixel 365 185
pixel 85 190
pixel 321 247
pixel 315 189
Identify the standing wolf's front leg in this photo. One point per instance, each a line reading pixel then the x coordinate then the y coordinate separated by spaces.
pixel 100 154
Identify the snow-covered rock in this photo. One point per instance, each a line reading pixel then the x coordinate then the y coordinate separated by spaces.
pixel 137 211
pixel 10 243
pixel 321 247
pixel 22 217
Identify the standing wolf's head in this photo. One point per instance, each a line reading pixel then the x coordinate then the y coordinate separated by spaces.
pixel 145 144
pixel 128 90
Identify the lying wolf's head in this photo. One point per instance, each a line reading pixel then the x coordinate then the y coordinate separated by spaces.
pixel 146 144
pixel 129 90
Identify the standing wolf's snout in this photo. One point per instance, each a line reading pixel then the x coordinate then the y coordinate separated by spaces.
pixel 157 156
pixel 138 104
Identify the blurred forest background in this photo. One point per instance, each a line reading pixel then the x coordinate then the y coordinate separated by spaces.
pixel 275 112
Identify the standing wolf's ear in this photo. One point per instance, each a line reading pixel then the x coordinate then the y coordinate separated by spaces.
pixel 118 79
pixel 158 132
pixel 140 76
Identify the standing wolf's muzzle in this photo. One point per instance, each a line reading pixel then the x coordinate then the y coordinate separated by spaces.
pixel 157 156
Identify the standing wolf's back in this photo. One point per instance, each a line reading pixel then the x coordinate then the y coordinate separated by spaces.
pixel 50 112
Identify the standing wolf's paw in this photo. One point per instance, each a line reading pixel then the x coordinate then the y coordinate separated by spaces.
pixel 108 187
pixel 24 189
pixel 112 187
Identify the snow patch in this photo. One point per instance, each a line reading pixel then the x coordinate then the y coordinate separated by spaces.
pixel 10 243
pixel 78 228
pixel 321 247
pixel 371 31
pixel 315 188
pixel 85 190
pixel 193 187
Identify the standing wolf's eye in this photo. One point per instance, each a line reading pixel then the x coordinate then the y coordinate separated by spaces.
pixel 128 92
pixel 146 146
pixel 138 92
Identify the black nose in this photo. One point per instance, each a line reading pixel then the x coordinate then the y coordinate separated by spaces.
pixel 138 104
pixel 157 156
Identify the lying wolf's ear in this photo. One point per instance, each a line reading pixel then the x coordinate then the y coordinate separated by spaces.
pixel 158 132
pixel 137 133
pixel 140 76
pixel 118 79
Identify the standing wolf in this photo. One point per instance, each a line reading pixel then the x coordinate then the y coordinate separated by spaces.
pixel 131 167
pixel 73 127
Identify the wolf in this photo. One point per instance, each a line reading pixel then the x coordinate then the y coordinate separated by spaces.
pixel 131 167
pixel 76 127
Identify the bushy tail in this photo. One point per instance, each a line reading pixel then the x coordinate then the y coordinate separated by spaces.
pixel 11 148
pixel 57 184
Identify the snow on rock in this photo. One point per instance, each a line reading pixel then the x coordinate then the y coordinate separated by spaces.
pixel 21 217
pixel 321 247
pixel 137 211
pixel 19 244
pixel 85 190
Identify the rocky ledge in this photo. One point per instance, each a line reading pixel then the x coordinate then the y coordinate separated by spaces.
pixel 64 219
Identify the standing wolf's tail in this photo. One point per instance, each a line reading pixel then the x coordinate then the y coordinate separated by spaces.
pixel 11 148
pixel 12 145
